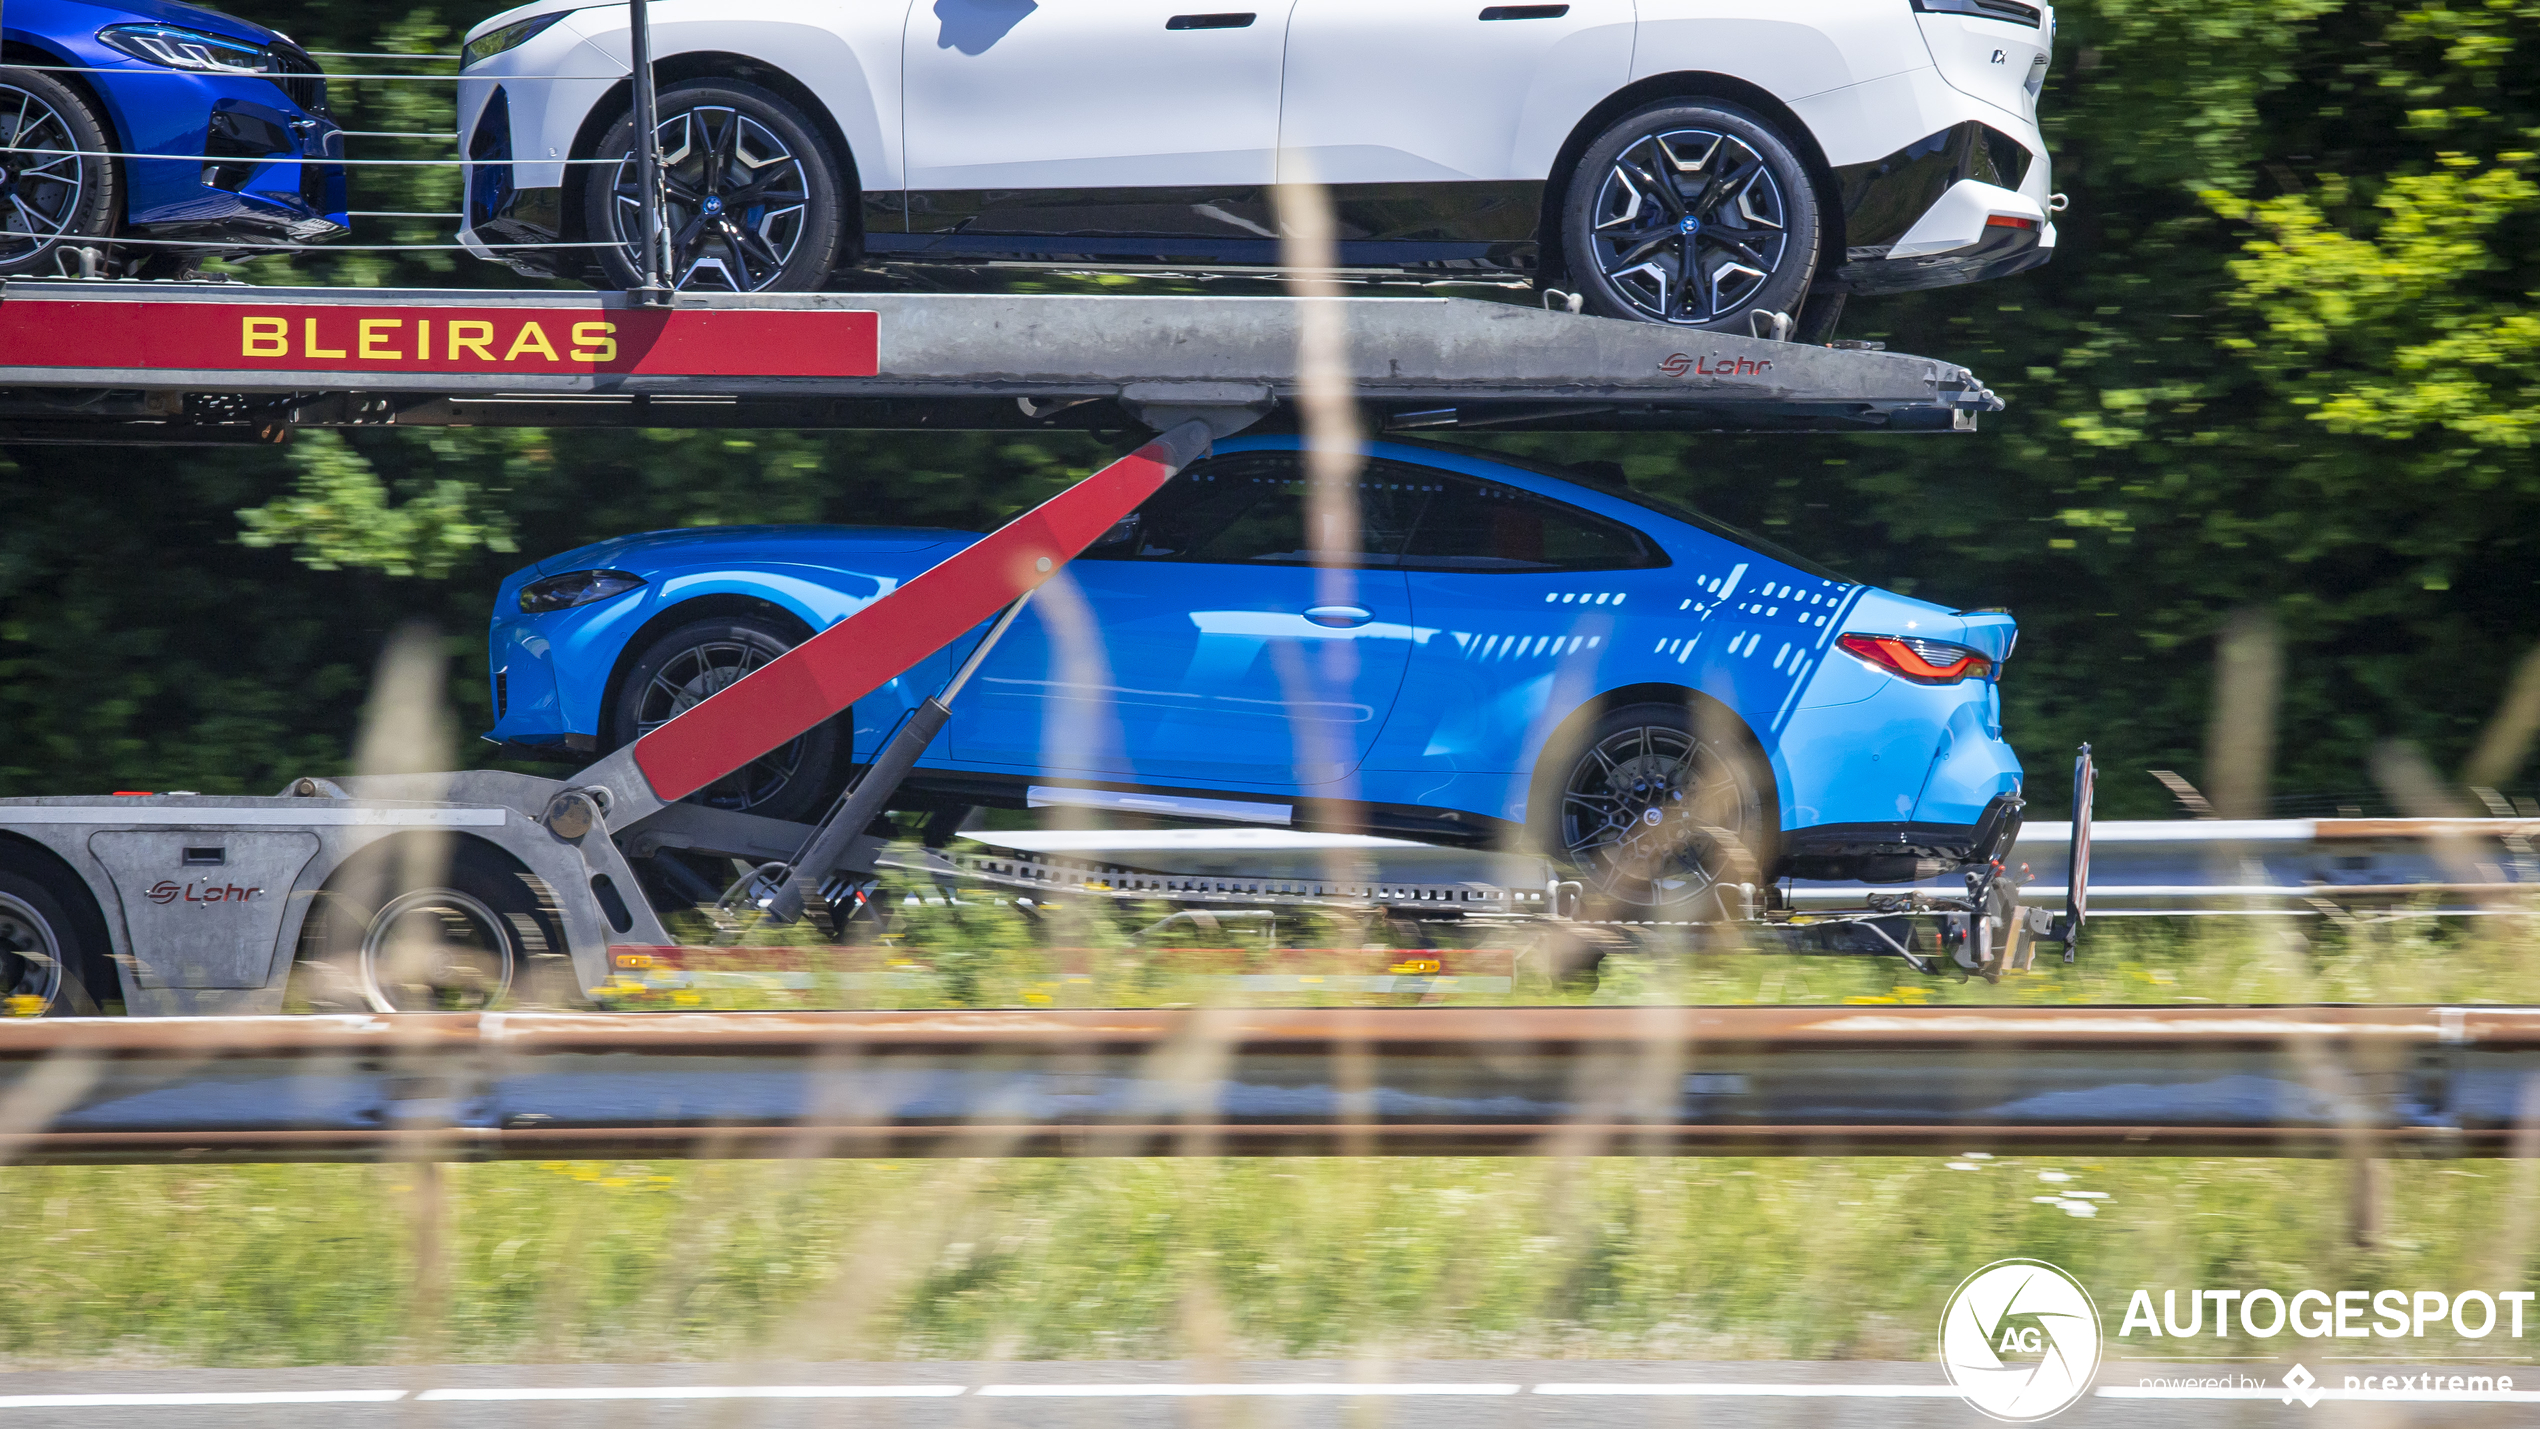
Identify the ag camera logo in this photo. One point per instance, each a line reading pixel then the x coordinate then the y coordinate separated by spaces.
pixel 2020 1340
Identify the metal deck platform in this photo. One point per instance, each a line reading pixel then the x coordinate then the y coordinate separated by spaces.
pixel 89 361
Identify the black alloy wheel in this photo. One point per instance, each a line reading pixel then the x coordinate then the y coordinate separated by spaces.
pixel 1656 814
pixel 752 194
pixel 685 666
pixel 1695 214
pixel 56 193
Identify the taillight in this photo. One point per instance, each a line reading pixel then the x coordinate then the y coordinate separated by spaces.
pixel 1925 662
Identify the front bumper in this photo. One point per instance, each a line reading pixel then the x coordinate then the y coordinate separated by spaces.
pixel 239 151
pixel 520 115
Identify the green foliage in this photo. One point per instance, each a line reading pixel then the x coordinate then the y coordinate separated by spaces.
pixel 339 514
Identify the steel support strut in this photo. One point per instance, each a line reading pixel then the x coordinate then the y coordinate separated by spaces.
pixel 653 215
pixel 832 670
pixel 782 901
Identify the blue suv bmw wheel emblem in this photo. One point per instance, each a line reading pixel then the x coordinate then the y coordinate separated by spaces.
pixel 713 204
pixel 1688 225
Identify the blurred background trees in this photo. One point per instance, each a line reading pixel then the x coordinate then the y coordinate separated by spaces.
pixel 2284 362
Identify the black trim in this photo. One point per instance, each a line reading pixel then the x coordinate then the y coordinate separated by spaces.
pixel 1876 853
pixel 2009 12
pixel 1467 225
pixel 1999 254
pixel 1524 12
pixel 1242 21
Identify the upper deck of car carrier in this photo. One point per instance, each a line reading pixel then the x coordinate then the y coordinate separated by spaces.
pixel 148 362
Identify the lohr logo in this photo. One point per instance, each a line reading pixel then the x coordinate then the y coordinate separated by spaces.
pixel 1677 364
pixel 169 891
pixel 2020 1340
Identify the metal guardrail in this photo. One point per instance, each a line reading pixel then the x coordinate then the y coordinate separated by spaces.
pixel 1572 1081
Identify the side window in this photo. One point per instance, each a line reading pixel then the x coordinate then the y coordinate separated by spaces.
pixel 1471 525
pixel 1251 509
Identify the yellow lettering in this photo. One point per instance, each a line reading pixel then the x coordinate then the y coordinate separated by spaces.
pixel 264 337
pixel 374 331
pixel 423 339
pixel 470 335
pixel 532 338
pixel 310 327
pixel 592 342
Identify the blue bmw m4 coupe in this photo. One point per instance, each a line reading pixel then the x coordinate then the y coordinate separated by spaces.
pixel 1508 653
pixel 233 105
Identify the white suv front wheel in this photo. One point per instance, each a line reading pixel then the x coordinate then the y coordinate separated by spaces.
pixel 753 198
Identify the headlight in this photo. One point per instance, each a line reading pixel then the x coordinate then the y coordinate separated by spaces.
pixel 512 36
pixel 575 588
pixel 197 50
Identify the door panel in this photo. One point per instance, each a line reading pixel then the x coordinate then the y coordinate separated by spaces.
pixel 1427 91
pixel 1089 95
pixel 1198 647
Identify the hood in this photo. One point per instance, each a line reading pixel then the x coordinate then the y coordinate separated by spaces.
pixel 193 17
pixel 522 12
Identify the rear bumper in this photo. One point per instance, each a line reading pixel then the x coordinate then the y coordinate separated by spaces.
pixel 1960 205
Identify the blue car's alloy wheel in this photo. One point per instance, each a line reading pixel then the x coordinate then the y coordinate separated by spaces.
pixel 673 673
pixel 1656 816
pixel 1694 215
pixel 53 195
pixel 752 196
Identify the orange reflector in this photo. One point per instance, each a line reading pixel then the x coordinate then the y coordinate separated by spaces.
pixel 2010 220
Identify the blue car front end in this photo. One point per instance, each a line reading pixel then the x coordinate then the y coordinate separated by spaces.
pixel 1878 714
pixel 239 110
pixel 553 659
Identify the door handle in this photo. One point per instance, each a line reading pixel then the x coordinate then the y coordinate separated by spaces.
pixel 1525 12
pixel 1241 21
pixel 1339 617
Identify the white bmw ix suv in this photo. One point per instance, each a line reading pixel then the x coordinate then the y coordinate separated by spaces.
pixel 1682 161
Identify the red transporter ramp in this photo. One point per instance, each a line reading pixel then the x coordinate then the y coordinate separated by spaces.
pixel 849 660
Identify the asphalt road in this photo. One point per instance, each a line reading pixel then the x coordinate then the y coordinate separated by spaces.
pixel 1468 1394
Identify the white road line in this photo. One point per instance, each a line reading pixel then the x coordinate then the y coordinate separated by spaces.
pixel 2278 1392
pixel 1221 1391
pixel 1759 1391
pixel 705 1391
pixel 178 1401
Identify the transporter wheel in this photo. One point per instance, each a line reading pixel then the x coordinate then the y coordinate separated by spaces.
pixel 683 666
pixel 55 960
pixel 1695 213
pixel 754 197
pixel 50 202
pixel 431 925
pixel 1656 813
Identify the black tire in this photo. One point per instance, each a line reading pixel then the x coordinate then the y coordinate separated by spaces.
pixel 68 200
pixel 408 928
pixel 55 958
pixel 687 664
pixel 1752 210
pixel 708 128
pixel 1655 809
